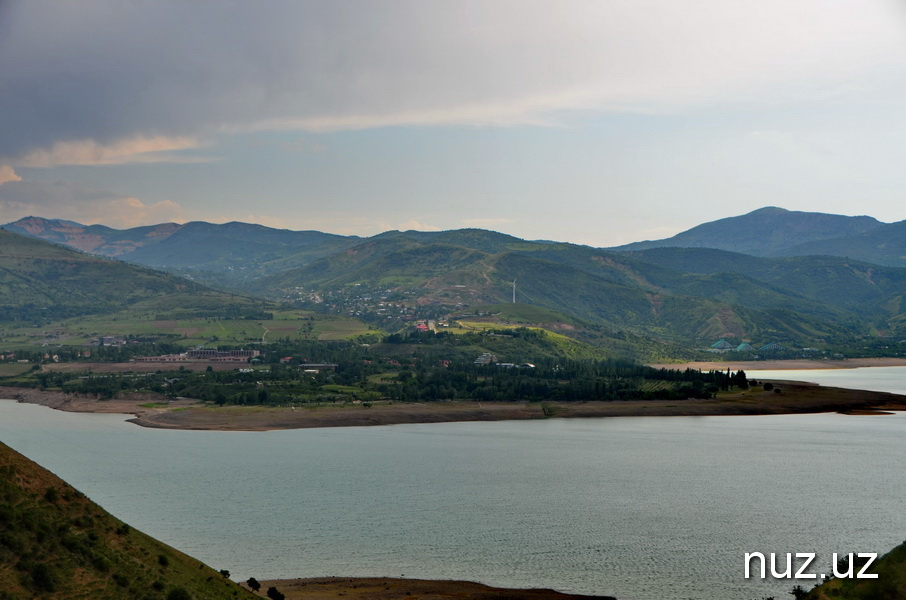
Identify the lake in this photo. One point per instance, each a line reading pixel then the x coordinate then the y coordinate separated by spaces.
pixel 876 379
pixel 639 508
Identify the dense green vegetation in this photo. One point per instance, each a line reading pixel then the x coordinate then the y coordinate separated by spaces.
pixel 531 366
pixel 562 381
pixel 55 543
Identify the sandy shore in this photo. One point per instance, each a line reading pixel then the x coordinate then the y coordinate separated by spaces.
pixel 782 365
pixel 155 411
pixel 385 588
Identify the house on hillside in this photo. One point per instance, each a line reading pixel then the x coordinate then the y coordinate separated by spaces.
pixel 771 346
pixel 744 347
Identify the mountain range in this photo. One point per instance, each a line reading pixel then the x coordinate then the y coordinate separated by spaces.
pixel 771 275
pixel 240 251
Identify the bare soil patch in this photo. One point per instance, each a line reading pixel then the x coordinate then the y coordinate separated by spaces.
pixel 793 397
pixel 385 588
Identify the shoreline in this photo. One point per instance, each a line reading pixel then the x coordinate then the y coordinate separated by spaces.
pixel 795 364
pixel 394 588
pixel 150 410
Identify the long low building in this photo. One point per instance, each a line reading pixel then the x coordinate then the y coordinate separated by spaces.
pixel 209 353
pixel 203 355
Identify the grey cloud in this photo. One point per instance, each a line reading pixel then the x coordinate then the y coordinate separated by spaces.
pixel 41 194
pixel 107 70
pixel 74 201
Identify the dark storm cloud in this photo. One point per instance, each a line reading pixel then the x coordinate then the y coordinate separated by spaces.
pixel 111 71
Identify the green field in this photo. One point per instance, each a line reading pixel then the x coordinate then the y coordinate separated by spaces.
pixel 10 370
pixel 522 313
pixel 294 325
pixel 475 326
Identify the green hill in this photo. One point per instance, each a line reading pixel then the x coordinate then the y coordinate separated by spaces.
pixel 689 296
pixel 863 288
pixel 40 281
pixel 53 295
pixel 567 336
pixel 885 245
pixel 57 544
pixel 597 288
pixel 522 314
pixel 95 239
pixel 234 252
pixel 763 232
pixel 223 255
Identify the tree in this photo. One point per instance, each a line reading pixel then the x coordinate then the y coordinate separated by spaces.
pixel 740 380
pixel 253 584
pixel 274 594
pixel 798 592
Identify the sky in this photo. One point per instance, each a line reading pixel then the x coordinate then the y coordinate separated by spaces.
pixel 595 122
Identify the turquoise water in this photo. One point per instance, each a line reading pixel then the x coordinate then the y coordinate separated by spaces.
pixel 638 508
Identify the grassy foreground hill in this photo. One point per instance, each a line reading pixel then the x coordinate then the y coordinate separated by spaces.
pixel 56 543
pixel 889 585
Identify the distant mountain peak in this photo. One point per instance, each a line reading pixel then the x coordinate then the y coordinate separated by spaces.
pixel 766 231
pixel 769 209
pixel 96 239
pixel 35 225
